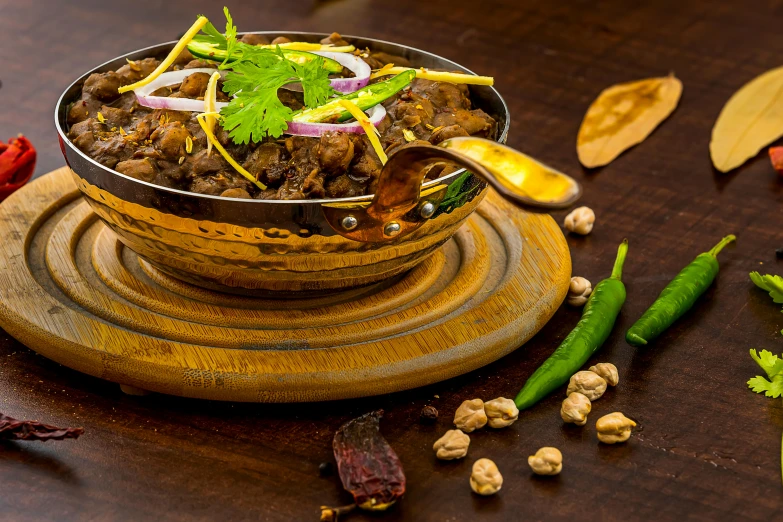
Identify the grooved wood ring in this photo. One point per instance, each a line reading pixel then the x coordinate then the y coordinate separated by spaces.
pixel 71 291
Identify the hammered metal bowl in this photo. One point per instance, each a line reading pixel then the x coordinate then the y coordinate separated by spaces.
pixel 259 246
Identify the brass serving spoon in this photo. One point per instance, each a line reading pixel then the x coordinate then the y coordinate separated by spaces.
pixel 399 206
pixel 516 176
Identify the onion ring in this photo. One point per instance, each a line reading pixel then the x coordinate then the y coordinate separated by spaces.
pixel 143 94
pixel 315 130
pixel 344 85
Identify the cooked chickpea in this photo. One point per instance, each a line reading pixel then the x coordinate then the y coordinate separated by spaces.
pixel 501 412
pixel 608 371
pixel 578 291
pixel 589 384
pixel 614 428
pixel 486 478
pixel 580 221
pixel 546 461
pixel 452 445
pixel 575 408
pixel 470 416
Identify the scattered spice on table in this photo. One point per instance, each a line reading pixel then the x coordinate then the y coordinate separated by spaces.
pixel 678 297
pixel 17 162
pixel 368 466
pixel 428 415
pixel 598 318
pixel 13 429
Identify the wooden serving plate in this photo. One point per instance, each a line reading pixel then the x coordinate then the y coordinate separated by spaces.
pixel 72 292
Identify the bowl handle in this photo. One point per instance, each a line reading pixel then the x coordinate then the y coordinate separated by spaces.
pixel 399 207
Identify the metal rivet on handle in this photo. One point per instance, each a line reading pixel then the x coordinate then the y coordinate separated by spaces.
pixel 427 210
pixel 392 229
pixel 349 222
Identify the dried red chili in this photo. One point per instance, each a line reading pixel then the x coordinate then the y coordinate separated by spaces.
pixel 17 161
pixel 12 429
pixel 368 466
pixel 776 157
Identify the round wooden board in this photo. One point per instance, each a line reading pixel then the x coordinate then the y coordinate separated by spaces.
pixel 72 292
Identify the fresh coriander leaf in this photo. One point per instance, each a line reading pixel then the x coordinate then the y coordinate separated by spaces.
pixel 772 389
pixel 315 81
pixel 255 110
pixel 231 35
pixel 770 283
pixel 210 30
pixel 759 384
pixel 770 363
pixel 251 115
pixel 256 74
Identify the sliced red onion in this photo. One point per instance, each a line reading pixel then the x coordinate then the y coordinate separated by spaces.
pixel 356 65
pixel 174 104
pixel 315 130
pixel 344 85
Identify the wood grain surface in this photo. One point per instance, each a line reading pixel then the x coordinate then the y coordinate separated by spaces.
pixel 706 449
pixel 479 297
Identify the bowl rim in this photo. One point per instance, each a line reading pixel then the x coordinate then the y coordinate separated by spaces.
pixel 324 201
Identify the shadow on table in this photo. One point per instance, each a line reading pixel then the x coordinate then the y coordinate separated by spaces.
pixel 22 453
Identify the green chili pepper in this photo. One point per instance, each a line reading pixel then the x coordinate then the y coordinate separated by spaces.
pixel 678 296
pixel 594 327
pixel 364 98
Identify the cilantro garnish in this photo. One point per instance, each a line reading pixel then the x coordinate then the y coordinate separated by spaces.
pixel 231 34
pixel 772 386
pixel 254 77
pixel 769 283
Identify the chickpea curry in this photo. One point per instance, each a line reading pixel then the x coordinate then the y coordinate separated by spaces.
pixel 245 117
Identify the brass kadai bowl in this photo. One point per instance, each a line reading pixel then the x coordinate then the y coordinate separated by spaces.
pixel 258 246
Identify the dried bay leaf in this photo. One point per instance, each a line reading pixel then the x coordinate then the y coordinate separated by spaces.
pixel 750 120
pixel 624 115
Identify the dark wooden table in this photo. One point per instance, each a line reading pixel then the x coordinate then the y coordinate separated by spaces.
pixel 706 449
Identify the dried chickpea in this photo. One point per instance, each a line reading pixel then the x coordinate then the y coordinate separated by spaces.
pixel 546 461
pixel 486 478
pixel 578 291
pixel 452 445
pixel 501 412
pixel 608 371
pixel 580 221
pixel 614 428
pixel 575 408
pixel 470 416
pixel 589 384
